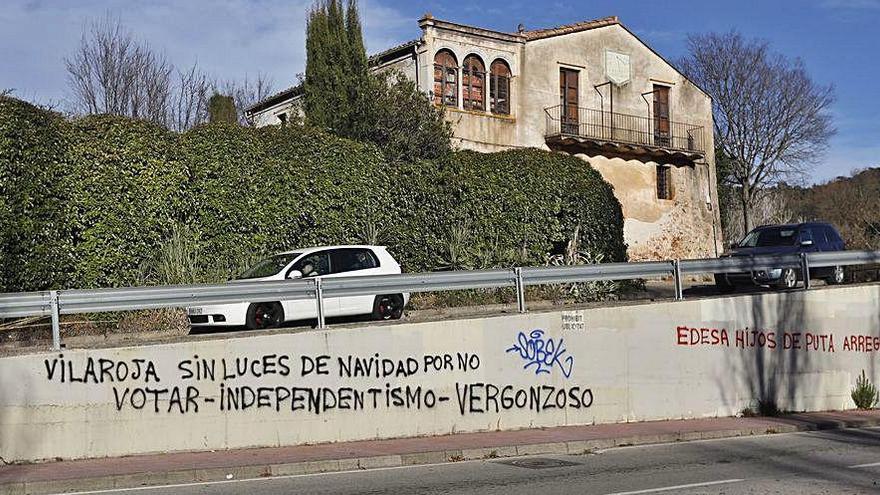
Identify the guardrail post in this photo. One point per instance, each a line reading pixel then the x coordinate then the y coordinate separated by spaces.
pixel 56 320
pixel 676 277
pixel 805 270
pixel 520 290
pixel 319 301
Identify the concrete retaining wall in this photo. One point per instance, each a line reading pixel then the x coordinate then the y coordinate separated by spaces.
pixel 687 359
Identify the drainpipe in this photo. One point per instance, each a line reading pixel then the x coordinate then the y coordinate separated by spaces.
pixel 711 209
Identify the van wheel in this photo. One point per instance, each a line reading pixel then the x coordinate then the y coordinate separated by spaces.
pixel 388 307
pixel 264 315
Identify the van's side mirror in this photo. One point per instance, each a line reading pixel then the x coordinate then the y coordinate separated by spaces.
pixel 294 274
pixel 732 244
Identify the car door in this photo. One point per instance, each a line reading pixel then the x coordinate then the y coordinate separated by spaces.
pixel 311 265
pixel 353 262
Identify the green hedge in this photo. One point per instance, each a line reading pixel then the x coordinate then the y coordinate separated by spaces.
pixel 93 201
pixel 258 191
pixel 34 242
pixel 477 210
pixel 125 189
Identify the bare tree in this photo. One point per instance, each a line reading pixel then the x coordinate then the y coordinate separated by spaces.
pixel 771 206
pixel 771 119
pixel 112 72
pixel 190 101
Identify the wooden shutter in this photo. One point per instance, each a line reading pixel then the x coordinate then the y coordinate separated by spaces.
pixel 661 115
pixel 568 95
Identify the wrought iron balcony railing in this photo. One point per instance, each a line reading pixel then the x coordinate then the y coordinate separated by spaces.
pixel 587 123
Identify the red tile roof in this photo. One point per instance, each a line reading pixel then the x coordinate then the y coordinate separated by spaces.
pixel 537 34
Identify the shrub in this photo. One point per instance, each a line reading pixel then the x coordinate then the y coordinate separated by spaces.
pixel 403 122
pixel 252 192
pixel 502 209
pixel 108 201
pixel 34 239
pixel 865 394
pixel 125 189
pixel 762 407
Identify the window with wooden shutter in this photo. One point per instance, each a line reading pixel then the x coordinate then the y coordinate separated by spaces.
pixel 473 77
pixel 445 79
pixel 499 87
pixel 661 116
pixel 568 99
pixel 664 182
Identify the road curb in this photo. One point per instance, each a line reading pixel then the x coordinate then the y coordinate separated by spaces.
pixel 267 471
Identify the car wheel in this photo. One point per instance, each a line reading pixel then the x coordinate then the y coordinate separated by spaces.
pixel 264 315
pixel 389 307
pixel 838 276
pixel 788 280
pixel 723 285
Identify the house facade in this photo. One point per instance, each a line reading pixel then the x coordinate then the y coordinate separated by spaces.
pixel 591 89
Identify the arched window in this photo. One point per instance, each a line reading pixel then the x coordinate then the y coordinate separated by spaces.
pixel 445 79
pixel 473 81
pixel 499 87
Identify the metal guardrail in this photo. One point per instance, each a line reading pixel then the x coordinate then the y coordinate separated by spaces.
pixel 56 303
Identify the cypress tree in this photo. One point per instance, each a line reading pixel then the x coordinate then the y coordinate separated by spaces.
pixel 357 52
pixel 222 109
pixel 336 67
pixel 360 85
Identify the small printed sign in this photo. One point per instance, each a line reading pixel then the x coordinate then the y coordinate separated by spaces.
pixel 573 321
pixel 617 67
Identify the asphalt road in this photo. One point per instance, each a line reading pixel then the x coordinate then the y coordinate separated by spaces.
pixel 830 462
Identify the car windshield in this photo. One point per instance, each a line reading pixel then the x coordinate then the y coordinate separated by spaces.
pixel 773 236
pixel 269 266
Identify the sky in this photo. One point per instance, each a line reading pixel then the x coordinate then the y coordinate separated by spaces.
pixel 232 38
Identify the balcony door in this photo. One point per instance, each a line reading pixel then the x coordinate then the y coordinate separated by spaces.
pixel 568 99
pixel 661 115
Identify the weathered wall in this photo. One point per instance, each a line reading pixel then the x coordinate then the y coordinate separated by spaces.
pixel 405 65
pixel 709 357
pixel 656 229
pixel 292 109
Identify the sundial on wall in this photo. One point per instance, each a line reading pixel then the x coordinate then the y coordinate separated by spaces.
pixel 617 67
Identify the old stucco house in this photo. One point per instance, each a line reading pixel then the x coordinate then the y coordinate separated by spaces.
pixel 592 89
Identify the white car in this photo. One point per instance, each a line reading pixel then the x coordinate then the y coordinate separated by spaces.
pixel 326 262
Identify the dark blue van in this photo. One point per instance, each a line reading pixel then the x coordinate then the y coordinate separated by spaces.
pixel 783 239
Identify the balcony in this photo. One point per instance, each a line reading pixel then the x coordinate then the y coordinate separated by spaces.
pixel 622 134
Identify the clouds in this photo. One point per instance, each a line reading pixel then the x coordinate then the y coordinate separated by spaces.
pixel 227 38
